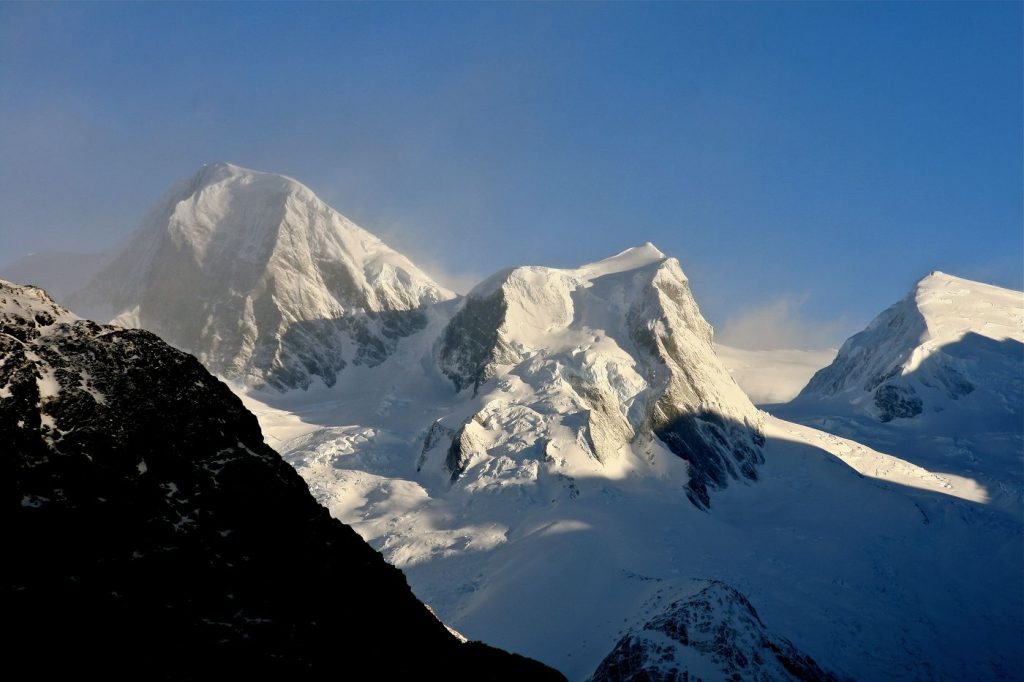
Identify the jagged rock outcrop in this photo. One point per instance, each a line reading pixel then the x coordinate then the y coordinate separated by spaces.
pixel 711 634
pixel 153 534
pixel 262 281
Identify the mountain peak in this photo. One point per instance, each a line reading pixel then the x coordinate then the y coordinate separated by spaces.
pixel 226 166
pixel 633 258
pixel 225 169
pixel 619 348
pixel 222 173
pixel 930 351
pixel 937 282
pixel 256 275
pixel 937 278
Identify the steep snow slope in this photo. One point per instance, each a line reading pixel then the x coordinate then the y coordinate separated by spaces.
pixel 937 377
pixel 262 281
pixel 490 458
pixel 150 533
pixel 951 344
pixel 773 376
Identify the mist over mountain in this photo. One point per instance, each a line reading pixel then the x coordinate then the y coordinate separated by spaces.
pixel 59 272
pixel 232 263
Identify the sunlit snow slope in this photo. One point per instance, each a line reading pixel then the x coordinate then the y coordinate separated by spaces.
pixel 508 458
pixel 558 458
pixel 939 378
pixel 262 281
pixel 596 366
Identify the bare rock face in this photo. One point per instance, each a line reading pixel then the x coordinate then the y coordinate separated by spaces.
pixel 474 343
pixel 617 352
pixel 262 281
pixel 712 634
pixel 153 534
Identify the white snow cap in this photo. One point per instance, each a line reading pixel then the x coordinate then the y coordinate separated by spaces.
pixel 231 261
pixel 631 259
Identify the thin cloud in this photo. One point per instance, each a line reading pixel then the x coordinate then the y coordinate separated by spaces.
pixel 411 242
pixel 780 324
pixel 459 282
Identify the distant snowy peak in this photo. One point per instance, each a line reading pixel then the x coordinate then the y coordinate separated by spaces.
pixel 633 258
pixel 713 633
pixel 262 280
pixel 226 211
pixel 946 339
pixel 616 348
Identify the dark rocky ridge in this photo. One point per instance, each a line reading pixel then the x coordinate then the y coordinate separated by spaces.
pixel 153 534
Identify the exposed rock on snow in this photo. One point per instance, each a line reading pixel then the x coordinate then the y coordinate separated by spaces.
pixel 150 532
pixel 711 634
pixel 262 281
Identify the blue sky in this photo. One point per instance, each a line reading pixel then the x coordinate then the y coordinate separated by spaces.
pixel 812 159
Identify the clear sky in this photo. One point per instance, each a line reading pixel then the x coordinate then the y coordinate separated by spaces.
pixel 806 162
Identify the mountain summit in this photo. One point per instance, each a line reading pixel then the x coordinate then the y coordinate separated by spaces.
pixel 951 345
pixel 261 280
pixel 938 377
pixel 616 353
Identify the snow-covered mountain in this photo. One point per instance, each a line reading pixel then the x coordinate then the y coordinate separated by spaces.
pixel 593 362
pixel 150 532
pixel 937 378
pixel 709 633
pixel 950 345
pixel 513 458
pixel 262 281
pixel 555 458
